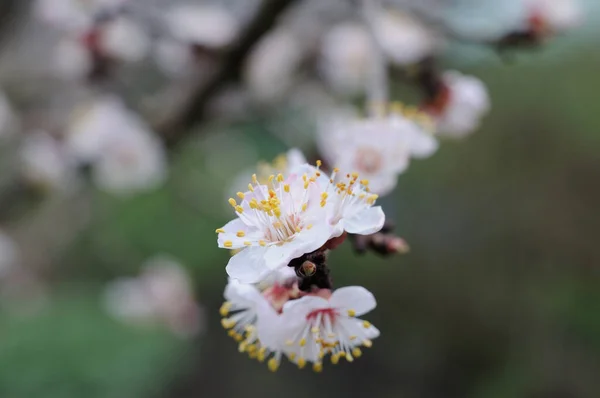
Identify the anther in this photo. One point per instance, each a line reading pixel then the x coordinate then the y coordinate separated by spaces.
pixel 240 195
pixel 240 234
pixel 301 363
pixel 273 365
pixel 318 367
pixel 228 243
pixel 220 231
pixel 351 312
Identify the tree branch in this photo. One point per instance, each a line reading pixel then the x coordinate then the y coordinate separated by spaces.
pixel 174 129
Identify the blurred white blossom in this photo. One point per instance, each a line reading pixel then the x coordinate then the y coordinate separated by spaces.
pixel 126 157
pixel 172 57
pixel 161 294
pixel 74 15
pixel 553 16
pixel 133 163
pixel 346 53
pixel 271 68
pixel 123 39
pixel 72 60
pixel 207 25
pixel 379 148
pixel 403 38
pixel 46 164
pixel 460 105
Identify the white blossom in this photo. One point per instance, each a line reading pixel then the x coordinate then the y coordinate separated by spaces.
pixel 123 39
pixel 173 57
pixel 252 321
pixel 462 103
pixel 205 25
pixel 320 324
pixel 125 156
pixel 554 16
pixel 403 38
pixel 270 69
pixel 135 162
pixel 162 293
pixel 72 60
pixel 46 163
pixel 379 148
pixel 275 223
pixel 74 15
pixel 346 52
pixel 292 216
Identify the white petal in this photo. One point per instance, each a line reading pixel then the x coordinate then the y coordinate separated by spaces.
pixel 237 291
pixel 423 145
pixel 248 266
pixel 366 222
pixel 372 332
pixel 295 309
pixel 356 298
pixel 231 230
pixel 304 242
pixel 383 184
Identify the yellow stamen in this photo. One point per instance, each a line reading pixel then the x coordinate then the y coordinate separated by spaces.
pixel 224 310
pixel 366 324
pixel 227 323
pixel 335 359
pixel 273 365
pixel 240 234
pixel 357 352
pixel 240 195
pixel 301 363
pixel 232 202
pixel 318 367
pixel 228 243
pixel 220 231
pixel 302 342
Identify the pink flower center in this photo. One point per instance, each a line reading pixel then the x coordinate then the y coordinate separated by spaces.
pixel 324 312
pixel 368 160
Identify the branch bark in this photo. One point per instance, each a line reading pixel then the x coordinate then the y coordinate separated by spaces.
pixel 176 127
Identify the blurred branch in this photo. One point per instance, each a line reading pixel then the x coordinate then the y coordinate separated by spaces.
pixel 8 15
pixel 177 125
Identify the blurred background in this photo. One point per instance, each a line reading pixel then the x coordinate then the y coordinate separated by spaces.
pixel 498 298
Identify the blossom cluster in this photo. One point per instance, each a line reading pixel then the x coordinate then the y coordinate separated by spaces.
pixel 280 298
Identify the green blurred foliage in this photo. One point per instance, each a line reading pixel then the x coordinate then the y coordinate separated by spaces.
pixel 71 348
